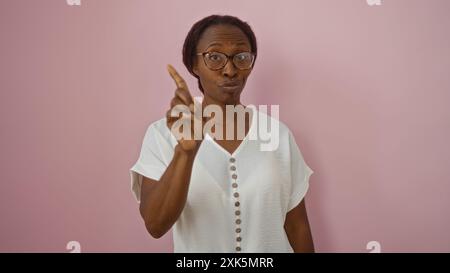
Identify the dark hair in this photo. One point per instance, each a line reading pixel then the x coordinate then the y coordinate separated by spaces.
pixel 192 38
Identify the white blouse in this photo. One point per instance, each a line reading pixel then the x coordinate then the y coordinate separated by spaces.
pixel 236 202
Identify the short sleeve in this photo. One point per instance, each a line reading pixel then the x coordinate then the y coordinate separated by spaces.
pixel 300 173
pixel 152 160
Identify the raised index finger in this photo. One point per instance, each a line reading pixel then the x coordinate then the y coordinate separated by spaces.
pixel 179 81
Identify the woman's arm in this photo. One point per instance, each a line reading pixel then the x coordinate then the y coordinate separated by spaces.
pixel 297 229
pixel 163 201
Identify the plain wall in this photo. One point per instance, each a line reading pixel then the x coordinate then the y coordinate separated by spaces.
pixel 365 89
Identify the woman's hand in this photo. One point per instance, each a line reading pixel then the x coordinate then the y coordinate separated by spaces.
pixel 183 97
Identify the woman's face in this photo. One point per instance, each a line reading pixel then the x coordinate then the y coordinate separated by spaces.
pixel 230 40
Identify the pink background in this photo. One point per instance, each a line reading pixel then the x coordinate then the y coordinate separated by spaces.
pixel 365 89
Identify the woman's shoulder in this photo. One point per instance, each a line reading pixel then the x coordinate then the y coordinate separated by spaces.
pixel 159 131
pixel 159 125
pixel 272 121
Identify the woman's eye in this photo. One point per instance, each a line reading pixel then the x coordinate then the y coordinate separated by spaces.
pixel 215 57
pixel 242 58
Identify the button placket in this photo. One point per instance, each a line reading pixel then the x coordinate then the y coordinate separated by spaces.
pixel 237 204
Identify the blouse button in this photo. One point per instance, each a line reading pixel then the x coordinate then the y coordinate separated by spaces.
pixel 238 239
pixel 232 159
pixel 238 221
pixel 236 204
pixel 234 176
pixel 233 168
pixel 238 249
pixel 237 212
pixel 234 185
pixel 238 230
pixel 236 194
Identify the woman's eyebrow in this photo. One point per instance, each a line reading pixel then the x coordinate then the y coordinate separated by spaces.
pixel 219 44
pixel 214 44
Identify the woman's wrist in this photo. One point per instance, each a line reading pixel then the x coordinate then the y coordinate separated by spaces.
pixel 189 154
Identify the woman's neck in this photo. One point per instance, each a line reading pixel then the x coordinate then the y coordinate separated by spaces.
pixel 223 121
pixel 210 101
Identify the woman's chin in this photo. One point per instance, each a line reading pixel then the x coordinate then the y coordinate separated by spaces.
pixel 231 97
pixel 225 97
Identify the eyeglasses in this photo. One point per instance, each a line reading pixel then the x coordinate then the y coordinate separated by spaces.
pixel 218 60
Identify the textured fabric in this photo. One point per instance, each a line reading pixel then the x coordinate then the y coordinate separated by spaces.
pixel 269 184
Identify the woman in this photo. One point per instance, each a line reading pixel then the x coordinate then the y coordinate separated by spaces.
pixel 221 195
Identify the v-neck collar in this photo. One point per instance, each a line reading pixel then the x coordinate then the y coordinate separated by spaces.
pixel 243 143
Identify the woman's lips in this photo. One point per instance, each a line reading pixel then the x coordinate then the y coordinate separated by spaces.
pixel 230 87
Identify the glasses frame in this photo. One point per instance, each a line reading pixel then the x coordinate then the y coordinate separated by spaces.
pixel 203 54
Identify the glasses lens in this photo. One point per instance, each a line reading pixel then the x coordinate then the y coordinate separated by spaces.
pixel 215 60
pixel 243 60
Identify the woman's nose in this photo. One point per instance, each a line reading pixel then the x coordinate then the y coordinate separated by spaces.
pixel 229 70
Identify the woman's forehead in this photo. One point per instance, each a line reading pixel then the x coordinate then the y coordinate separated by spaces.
pixel 223 35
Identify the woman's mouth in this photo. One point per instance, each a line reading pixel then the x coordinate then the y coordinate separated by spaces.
pixel 230 87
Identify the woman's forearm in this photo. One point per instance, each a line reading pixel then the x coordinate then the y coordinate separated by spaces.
pixel 163 203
